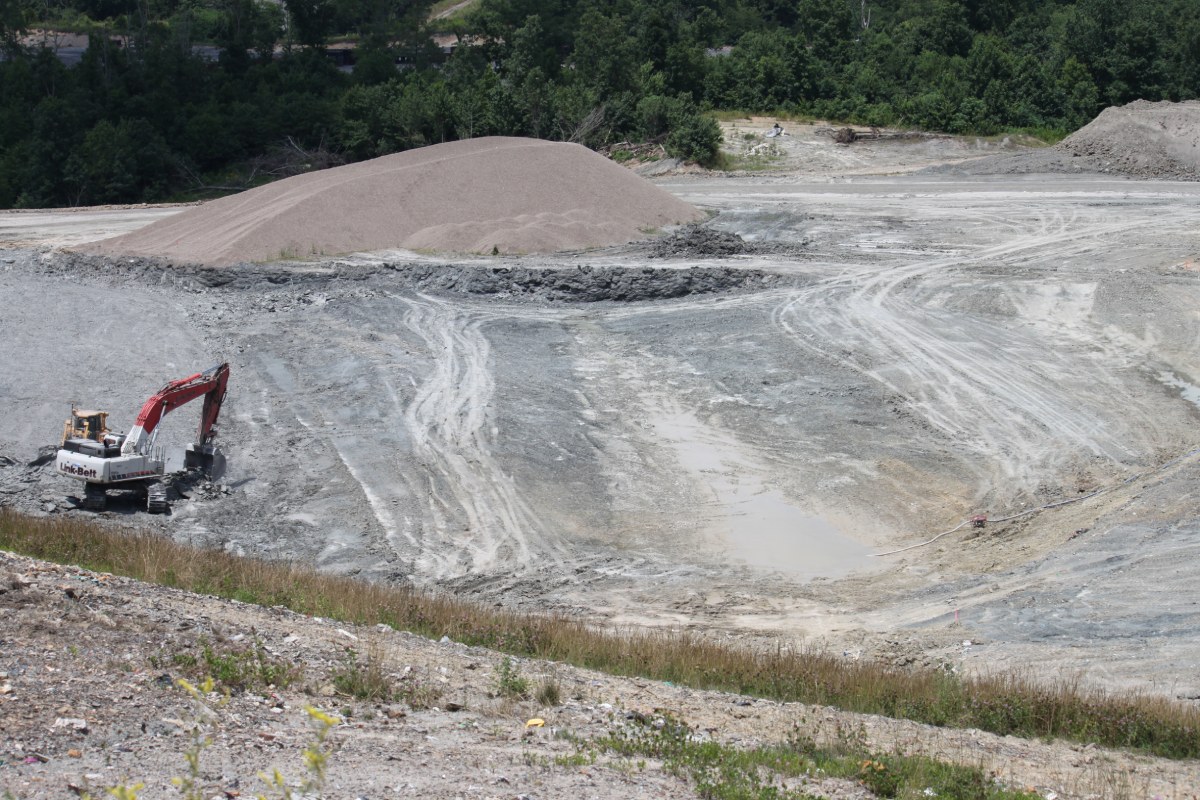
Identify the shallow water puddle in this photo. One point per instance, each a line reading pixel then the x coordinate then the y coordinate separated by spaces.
pixel 1187 391
pixel 757 524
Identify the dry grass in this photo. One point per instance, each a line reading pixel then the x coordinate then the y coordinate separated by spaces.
pixel 1003 704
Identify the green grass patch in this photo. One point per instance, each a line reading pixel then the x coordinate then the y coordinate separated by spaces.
pixel 365 678
pixel 510 682
pixel 748 162
pixel 774 772
pixel 234 666
pixel 1003 704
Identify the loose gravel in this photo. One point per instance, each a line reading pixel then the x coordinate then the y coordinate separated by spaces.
pixel 490 195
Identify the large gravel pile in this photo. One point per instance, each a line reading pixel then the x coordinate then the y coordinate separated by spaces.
pixel 1159 141
pixel 494 194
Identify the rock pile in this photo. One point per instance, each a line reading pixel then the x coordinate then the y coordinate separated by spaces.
pixel 696 240
pixel 1142 139
pixel 1154 141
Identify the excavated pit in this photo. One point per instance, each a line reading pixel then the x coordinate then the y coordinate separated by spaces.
pixel 710 443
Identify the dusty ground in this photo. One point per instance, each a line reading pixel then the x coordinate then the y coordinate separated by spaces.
pixel 87 701
pixel 718 444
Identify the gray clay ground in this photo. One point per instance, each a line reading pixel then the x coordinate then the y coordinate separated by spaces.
pixel 717 444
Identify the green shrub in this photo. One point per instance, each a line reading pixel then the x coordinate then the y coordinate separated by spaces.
pixel 694 137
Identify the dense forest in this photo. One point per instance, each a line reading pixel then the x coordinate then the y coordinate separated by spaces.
pixel 149 114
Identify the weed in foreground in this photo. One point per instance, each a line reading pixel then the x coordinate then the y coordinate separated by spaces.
pixel 418 693
pixel 365 680
pixel 549 692
pixel 202 726
pixel 232 666
pixel 316 761
pixel 510 682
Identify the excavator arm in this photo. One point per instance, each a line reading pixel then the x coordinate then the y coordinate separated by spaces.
pixel 209 384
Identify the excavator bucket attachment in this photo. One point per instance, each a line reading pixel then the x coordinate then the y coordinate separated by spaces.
pixel 207 458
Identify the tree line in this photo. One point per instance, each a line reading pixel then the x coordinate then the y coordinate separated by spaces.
pixel 146 116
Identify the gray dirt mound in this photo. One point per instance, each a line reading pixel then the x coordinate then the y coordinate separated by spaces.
pixel 701 241
pixel 1159 141
pixel 696 240
pixel 1142 139
pixel 495 194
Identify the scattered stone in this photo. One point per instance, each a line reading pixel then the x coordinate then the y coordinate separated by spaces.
pixel 701 241
pixel 72 724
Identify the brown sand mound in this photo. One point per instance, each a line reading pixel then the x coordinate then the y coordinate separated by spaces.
pixel 514 195
pixel 1143 139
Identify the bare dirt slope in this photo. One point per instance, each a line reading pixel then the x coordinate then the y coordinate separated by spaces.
pixel 809 151
pixel 495 194
pixel 88 701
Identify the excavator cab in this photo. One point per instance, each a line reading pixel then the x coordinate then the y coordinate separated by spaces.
pixel 87 432
pixel 83 424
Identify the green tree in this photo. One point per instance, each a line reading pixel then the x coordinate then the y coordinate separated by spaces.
pixel 14 15
pixel 765 71
pixel 118 163
pixel 829 28
pixel 529 51
pixel 693 136
pixel 940 26
pixel 311 20
pixel 1080 98
pixel 603 58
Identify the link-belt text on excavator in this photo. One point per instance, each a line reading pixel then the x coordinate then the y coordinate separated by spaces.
pixel 76 470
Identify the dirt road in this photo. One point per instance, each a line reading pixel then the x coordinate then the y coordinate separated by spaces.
pixel 715 444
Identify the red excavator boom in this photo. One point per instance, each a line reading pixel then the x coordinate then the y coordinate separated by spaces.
pixel 209 384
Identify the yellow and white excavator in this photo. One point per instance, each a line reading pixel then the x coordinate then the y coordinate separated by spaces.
pixel 90 452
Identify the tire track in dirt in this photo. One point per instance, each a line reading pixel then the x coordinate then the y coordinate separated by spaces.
pixel 451 432
pixel 993 390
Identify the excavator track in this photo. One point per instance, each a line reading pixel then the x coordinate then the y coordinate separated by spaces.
pixel 94 497
pixel 156 498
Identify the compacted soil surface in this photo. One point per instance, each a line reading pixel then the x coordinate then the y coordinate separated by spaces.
pixel 754 429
